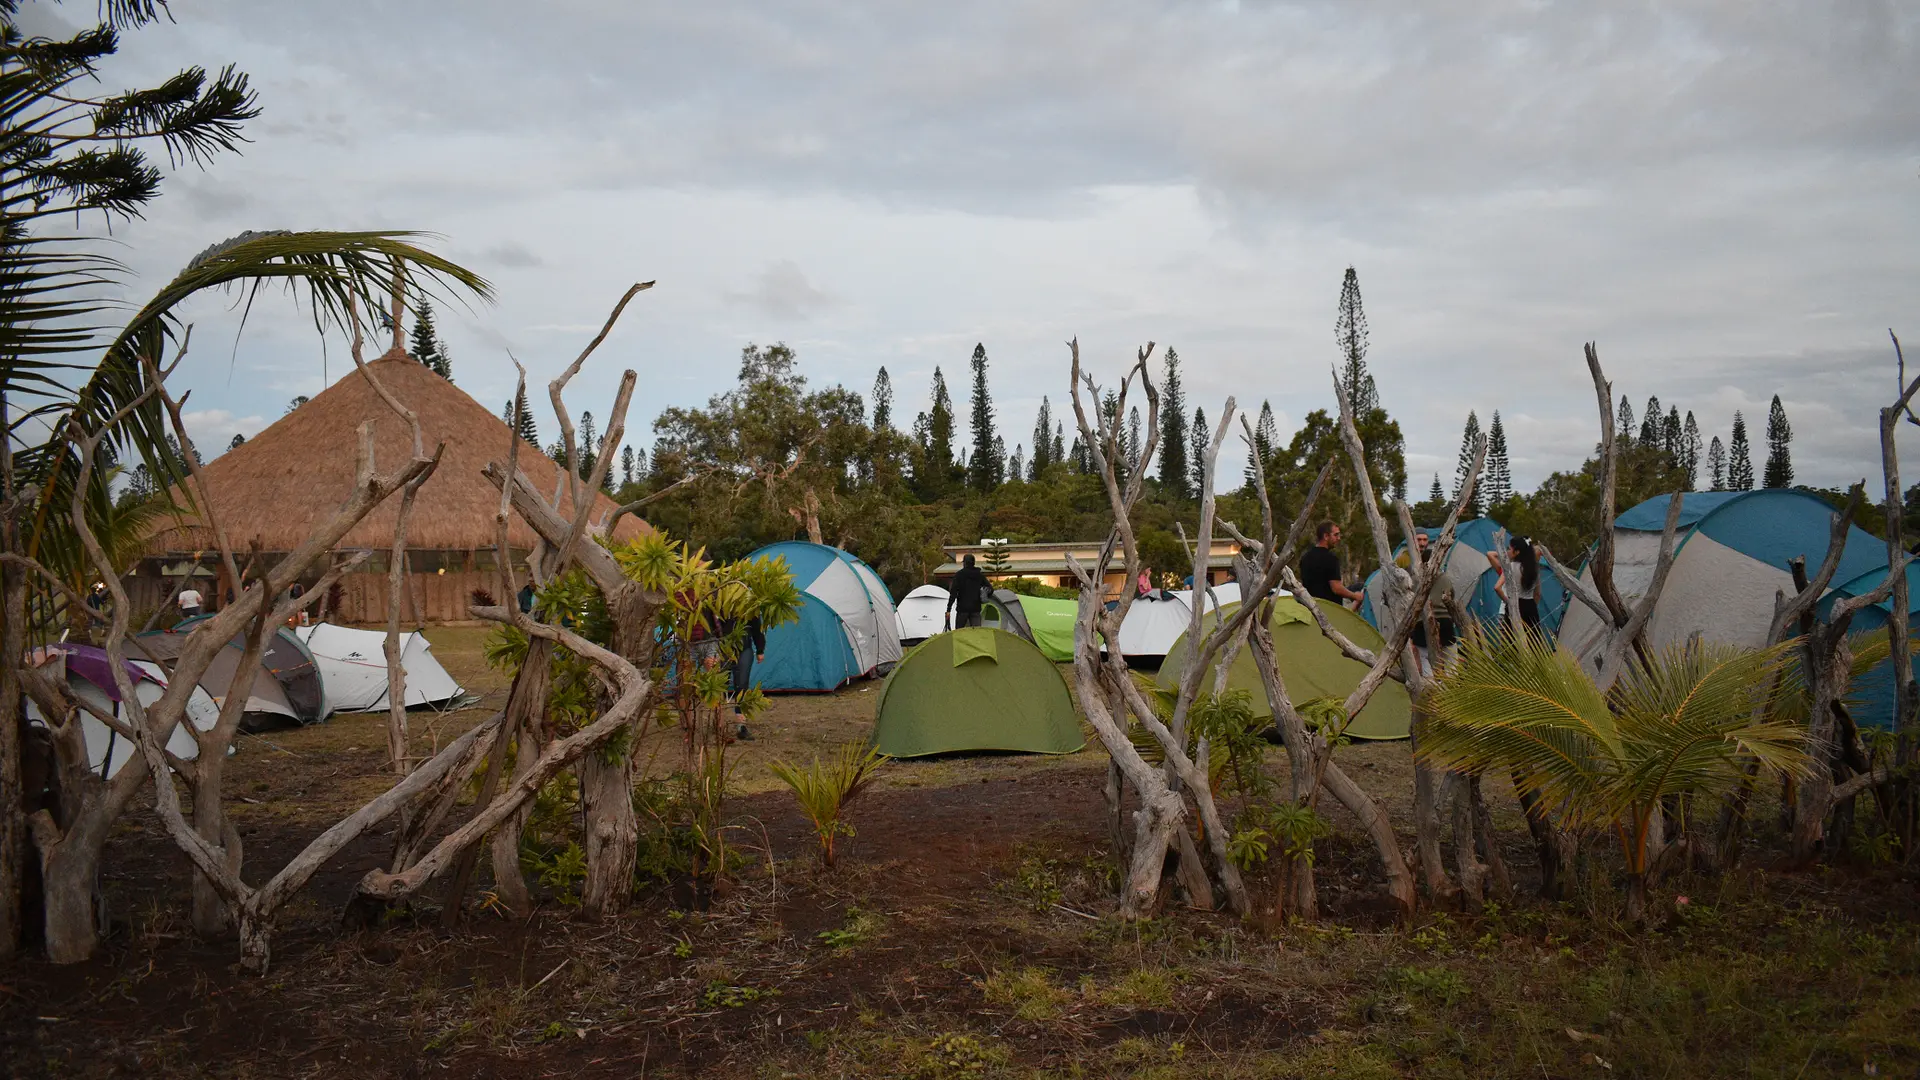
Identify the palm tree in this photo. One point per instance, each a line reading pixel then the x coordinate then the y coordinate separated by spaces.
pixel 1677 730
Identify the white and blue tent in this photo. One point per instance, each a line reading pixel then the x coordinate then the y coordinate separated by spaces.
pixel 1473 577
pixel 1731 555
pixel 847 627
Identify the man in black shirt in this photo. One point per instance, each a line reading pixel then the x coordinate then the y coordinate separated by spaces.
pixel 1320 567
pixel 965 592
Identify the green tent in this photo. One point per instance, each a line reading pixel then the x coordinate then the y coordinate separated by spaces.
pixel 975 689
pixel 1052 623
pixel 1310 666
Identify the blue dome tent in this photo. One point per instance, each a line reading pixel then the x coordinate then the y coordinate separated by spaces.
pixel 1473 579
pixel 1731 552
pixel 847 627
pixel 1873 694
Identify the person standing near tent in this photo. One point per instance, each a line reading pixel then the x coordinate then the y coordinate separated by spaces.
pixel 1320 567
pixel 1439 604
pixel 753 650
pixel 189 601
pixel 1520 552
pixel 966 591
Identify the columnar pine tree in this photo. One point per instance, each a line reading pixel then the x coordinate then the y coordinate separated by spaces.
pixel 1498 483
pixel 1016 468
pixel 506 413
pixel 1350 334
pixel 1266 436
pixel 1059 452
pixel 1468 439
pixel 1078 457
pixel 1670 434
pixel 985 465
pixel 589 444
pixel 426 346
pixel 939 455
pixel 998 455
pixel 626 466
pixel 1198 440
pixel 1437 494
pixel 1042 440
pixel 524 425
pixel 1739 457
pixel 1623 421
pixel 1779 471
pixel 1134 442
pixel 1690 451
pixel 1116 453
pixel 883 401
pixel 1717 464
pixel 1173 429
pixel 1650 423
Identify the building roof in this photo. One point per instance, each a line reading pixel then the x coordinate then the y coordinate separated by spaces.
pixel 1051 558
pixel 277 487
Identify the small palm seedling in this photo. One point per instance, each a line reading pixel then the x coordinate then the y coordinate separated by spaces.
pixel 823 790
pixel 1677 730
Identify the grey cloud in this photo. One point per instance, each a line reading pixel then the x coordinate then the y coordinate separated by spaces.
pixel 512 255
pixel 782 291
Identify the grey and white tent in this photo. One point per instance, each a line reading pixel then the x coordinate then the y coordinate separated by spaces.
pixel 921 614
pixel 1731 555
pixel 1155 622
pixel 353 667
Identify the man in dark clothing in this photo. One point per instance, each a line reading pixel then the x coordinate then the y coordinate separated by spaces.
pixel 752 651
pixel 965 592
pixel 1320 567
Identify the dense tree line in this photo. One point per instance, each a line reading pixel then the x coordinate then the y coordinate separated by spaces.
pixel 774 458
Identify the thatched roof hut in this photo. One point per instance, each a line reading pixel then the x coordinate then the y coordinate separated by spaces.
pixel 277 487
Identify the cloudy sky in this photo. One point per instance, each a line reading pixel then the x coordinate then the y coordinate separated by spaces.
pixel 1725 196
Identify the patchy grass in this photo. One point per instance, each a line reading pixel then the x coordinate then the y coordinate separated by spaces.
pixel 966 934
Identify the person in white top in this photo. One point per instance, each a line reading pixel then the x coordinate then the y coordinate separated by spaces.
pixel 189 601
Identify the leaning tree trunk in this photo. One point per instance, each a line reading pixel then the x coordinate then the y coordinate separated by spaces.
pixel 1554 848
pixel 13 831
pixel 606 777
pixel 526 714
pixel 211 914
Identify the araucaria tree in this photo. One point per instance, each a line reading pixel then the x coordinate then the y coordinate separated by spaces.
pixel 1469 438
pixel 985 465
pixel 1739 457
pixel 1197 434
pixel 1689 461
pixel 1717 464
pixel 1623 420
pixel 1650 424
pixel 1266 437
pixel 425 344
pixel 934 469
pixel 1350 334
pixel 1173 430
pixel 883 401
pixel 1499 483
pixel 1779 470
pixel 1042 441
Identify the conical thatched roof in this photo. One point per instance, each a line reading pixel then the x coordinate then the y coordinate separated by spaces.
pixel 280 485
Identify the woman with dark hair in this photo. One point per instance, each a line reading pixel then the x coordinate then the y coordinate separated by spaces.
pixel 1520 552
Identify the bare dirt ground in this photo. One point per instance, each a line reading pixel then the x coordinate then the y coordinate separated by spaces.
pixel 964 933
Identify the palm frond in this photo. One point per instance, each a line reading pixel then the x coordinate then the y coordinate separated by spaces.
pixel 1520 705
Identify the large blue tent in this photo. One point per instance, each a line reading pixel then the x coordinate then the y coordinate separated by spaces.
pixel 847 626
